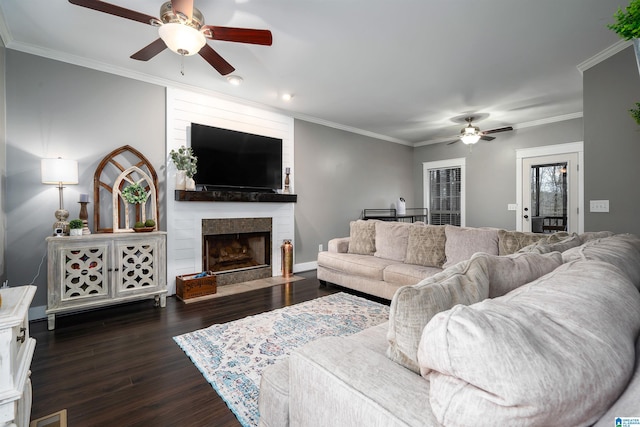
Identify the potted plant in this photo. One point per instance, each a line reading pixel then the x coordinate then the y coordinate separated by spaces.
pixel 627 24
pixel 186 164
pixel 75 227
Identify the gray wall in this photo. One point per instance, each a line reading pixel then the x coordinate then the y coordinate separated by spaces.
pixel 612 143
pixel 338 174
pixel 491 169
pixel 59 110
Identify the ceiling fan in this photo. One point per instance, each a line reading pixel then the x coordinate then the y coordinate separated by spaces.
pixel 181 29
pixel 471 134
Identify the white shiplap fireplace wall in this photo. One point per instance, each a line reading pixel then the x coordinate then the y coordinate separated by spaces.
pixel 184 219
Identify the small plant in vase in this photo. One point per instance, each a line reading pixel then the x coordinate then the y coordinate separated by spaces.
pixel 75 227
pixel 635 113
pixel 187 165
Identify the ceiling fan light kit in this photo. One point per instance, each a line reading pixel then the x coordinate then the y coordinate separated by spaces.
pixel 182 39
pixel 182 30
pixel 470 134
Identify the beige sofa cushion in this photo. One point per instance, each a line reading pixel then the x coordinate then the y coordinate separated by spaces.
pixel 557 351
pixel 621 250
pixel 510 242
pixel 365 266
pixel 362 237
pixel 426 246
pixel 391 240
pixel 462 242
pixel 408 274
pixel 467 282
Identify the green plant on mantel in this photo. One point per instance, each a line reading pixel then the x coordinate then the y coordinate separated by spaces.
pixel 185 160
pixel 635 113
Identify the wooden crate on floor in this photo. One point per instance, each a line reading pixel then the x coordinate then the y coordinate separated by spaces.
pixel 188 286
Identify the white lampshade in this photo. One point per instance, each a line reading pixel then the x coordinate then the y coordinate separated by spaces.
pixel 182 39
pixel 59 171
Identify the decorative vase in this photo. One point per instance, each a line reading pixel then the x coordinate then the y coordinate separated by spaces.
pixel 190 184
pixel 75 232
pixel 181 180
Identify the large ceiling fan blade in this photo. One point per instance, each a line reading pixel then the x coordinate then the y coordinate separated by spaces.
pixel 240 35
pixel 112 9
pixel 148 52
pixel 487 138
pixel 453 142
pixel 183 8
pixel 216 61
pixel 504 129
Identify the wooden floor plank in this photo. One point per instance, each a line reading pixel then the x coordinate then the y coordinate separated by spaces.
pixel 119 366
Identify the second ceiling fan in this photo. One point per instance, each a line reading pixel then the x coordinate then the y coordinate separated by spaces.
pixel 181 28
pixel 471 134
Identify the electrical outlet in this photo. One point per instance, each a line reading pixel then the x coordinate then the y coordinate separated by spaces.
pixel 598 206
pixel 320 249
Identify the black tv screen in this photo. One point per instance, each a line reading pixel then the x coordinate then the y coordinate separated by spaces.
pixel 233 160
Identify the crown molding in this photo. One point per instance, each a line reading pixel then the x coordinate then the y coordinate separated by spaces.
pixel 605 54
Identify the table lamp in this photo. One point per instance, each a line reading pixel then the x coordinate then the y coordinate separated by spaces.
pixel 59 172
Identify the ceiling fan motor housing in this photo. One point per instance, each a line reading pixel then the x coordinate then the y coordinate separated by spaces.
pixel 167 16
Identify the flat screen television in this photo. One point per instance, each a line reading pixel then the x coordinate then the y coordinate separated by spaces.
pixel 236 161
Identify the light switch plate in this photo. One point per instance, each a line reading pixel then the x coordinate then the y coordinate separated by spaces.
pixel 598 206
pixel 512 207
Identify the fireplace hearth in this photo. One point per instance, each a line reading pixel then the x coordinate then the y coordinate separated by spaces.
pixel 237 249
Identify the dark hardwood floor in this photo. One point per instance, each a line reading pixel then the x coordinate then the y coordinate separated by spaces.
pixel 119 366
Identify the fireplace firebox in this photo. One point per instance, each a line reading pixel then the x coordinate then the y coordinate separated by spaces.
pixel 237 249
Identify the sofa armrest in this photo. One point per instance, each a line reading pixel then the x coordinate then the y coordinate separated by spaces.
pixel 339 245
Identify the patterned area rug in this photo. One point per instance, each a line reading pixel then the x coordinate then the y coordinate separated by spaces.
pixel 232 356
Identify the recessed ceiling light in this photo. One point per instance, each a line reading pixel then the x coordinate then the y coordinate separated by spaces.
pixel 286 96
pixel 235 80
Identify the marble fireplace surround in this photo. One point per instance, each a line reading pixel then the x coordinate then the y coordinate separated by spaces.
pixel 227 226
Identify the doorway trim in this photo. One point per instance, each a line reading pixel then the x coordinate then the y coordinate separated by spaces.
pixel 550 150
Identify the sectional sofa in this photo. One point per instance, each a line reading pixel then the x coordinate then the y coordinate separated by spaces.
pixel 379 257
pixel 547 336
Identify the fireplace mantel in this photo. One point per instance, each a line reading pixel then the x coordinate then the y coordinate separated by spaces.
pixel 233 196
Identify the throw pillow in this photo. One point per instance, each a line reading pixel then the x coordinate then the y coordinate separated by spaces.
pixel 413 306
pixel 426 246
pixel 557 351
pixel 362 237
pixel 391 240
pixel 510 242
pixel 543 246
pixel 463 242
pixel 507 273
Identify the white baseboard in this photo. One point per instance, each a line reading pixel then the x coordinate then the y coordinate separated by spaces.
pixel 305 266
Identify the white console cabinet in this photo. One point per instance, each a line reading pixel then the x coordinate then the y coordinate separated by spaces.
pixel 16 353
pixel 97 270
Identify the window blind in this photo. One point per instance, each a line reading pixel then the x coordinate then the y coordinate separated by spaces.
pixel 445 187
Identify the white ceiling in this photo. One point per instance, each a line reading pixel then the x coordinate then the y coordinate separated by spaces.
pixel 398 69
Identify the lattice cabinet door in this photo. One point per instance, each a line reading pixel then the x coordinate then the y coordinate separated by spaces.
pixel 79 272
pixel 138 265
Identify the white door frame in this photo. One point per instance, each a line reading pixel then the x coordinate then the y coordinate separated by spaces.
pixel 440 164
pixel 550 150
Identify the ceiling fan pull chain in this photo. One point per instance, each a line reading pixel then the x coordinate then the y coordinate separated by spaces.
pixel 182 64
